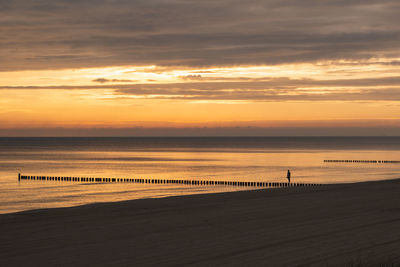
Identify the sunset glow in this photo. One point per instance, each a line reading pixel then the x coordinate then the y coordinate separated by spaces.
pixel 337 78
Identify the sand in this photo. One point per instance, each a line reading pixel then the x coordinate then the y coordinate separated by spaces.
pixel 326 226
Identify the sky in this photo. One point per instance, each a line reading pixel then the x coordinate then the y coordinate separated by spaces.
pixel 185 67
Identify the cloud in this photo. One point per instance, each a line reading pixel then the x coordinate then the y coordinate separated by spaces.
pixel 262 89
pixel 191 77
pixel 103 80
pixel 391 143
pixel 54 34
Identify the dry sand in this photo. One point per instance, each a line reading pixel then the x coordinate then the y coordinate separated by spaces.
pixel 325 226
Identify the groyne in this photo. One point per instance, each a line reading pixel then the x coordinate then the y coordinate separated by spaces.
pixel 195 182
pixel 359 161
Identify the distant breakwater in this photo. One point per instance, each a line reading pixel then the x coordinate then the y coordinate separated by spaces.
pixel 164 181
pixel 360 161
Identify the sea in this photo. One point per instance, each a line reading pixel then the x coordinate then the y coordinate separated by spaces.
pixel 259 159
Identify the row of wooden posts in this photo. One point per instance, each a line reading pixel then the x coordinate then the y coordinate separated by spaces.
pixel 162 181
pixel 361 161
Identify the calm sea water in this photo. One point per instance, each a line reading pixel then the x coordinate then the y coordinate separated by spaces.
pixel 250 159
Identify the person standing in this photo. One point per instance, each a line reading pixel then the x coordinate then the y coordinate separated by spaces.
pixel 288 176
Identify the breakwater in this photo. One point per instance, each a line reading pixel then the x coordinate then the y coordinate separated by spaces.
pixel 195 182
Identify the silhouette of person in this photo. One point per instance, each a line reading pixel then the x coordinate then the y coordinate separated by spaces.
pixel 288 176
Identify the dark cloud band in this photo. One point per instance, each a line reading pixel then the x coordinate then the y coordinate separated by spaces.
pixel 53 34
pixel 263 89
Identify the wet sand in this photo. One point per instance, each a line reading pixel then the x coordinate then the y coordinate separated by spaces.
pixel 323 226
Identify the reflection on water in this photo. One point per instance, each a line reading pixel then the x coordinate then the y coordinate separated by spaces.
pixel 250 159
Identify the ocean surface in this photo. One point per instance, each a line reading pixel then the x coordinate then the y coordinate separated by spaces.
pixel 219 158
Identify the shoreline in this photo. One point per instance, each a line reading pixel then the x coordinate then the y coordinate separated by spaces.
pixel 328 225
pixel 189 195
pixel 255 189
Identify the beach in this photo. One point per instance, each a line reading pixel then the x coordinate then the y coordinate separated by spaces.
pixel 342 224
